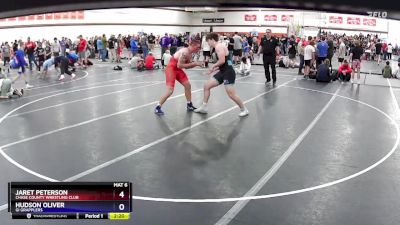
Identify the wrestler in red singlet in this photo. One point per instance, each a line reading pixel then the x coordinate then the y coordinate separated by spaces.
pixel 174 72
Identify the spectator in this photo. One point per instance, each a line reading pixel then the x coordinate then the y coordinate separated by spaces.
pixel 389 51
pixel 342 51
pixel 323 74
pixel 301 47
pixel 255 45
pixel 100 48
pixel 245 67
pixel 30 51
pixel 120 46
pixel 206 51
pixel 174 44
pixel 15 46
pixel 309 57
pixel 284 62
pixel 6 54
pixel 112 42
pixel 396 71
pixel 292 51
pixel 246 47
pixel 384 50
pixel 345 71
pixel 164 43
pixel 82 46
pixel 47 50
pixel 230 47
pixel 322 51
pixel 150 62
pixel 135 61
pixel 55 48
pixel 152 41
pixel 387 70
pixel 63 46
pixel 378 51
pixel 166 58
pixel 237 48
pixel 105 52
pixel 283 44
pixel 355 56
pixel 331 50
pixel 144 43
pixel 40 54
pixel 6 89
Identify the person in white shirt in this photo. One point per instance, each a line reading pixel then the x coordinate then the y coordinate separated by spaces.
pixel 223 41
pixel 56 48
pixel 342 51
pixel 135 60
pixel 206 51
pixel 6 89
pixel 245 67
pixel 389 51
pixel 396 71
pixel 309 57
pixel 166 58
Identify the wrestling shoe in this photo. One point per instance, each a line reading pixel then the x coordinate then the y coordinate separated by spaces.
pixel 244 112
pixel 158 110
pixel 202 109
pixel 190 107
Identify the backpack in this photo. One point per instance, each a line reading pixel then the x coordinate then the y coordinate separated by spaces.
pixel 335 75
pixel 117 68
pixel 281 64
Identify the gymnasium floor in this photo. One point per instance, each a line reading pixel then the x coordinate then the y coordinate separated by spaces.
pixel 308 153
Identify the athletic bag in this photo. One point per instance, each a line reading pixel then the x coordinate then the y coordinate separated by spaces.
pixel 334 75
pixel 117 68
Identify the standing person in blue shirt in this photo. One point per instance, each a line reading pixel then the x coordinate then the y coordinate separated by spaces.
pixel 20 64
pixel 100 48
pixel 323 51
pixel 134 46
pixel 164 43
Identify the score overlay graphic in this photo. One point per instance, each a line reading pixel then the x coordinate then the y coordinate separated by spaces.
pixel 70 200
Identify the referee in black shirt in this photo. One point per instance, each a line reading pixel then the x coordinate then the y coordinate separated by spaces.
pixel 269 47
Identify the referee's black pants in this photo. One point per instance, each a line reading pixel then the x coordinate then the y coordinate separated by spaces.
pixel 269 61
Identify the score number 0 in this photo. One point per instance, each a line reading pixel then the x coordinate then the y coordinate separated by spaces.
pixel 121 206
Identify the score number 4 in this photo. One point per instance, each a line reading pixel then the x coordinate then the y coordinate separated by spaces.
pixel 121 206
